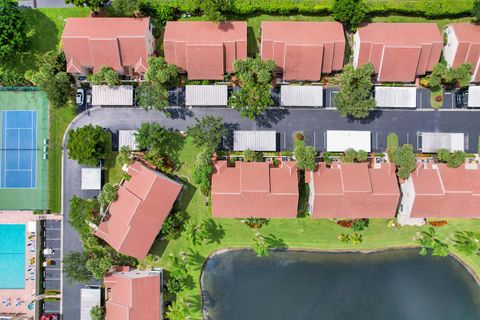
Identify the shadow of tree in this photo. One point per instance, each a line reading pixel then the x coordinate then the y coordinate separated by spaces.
pixel 228 138
pixel 275 242
pixel 159 246
pixel 371 117
pixel 186 196
pixel 215 231
pixel 179 113
pixel 270 117
pixel 195 259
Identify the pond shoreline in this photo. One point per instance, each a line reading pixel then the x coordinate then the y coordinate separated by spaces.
pixel 472 272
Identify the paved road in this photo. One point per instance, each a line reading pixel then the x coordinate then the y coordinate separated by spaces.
pixel 314 123
pixel 45 4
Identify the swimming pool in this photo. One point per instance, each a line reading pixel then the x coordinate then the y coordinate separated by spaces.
pixel 12 256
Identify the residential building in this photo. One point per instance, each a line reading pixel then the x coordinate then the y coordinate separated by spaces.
pixel 255 189
pixel 303 50
pixel 134 220
pixel 133 294
pixel 463 46
pixel 124 44
pixel 437 191
pixel 399 51
pixel 353 190
pixel 205 50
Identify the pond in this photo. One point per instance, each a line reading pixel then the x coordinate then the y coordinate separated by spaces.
pixel 298 285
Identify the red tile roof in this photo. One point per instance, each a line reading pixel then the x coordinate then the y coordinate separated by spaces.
pixel 468 48
pixel 255 189
pixel 442 192
pixel 136 217
pixel 205 50
pixel 304 50
pixel 353 190
pixel 399 51
pixel 133 295
pixel 119 43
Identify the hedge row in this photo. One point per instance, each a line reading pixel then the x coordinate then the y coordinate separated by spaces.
pixel 425 8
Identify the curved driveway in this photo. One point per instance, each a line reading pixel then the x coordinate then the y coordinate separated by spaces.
pixel 312 122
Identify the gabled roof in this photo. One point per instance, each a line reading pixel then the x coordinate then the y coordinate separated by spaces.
pixel 467 47
pixel 354 190
pixel 303 50
pixel 136 217
pixel 206 50
pixel 109 42
pixel 255 189
pixel 133 295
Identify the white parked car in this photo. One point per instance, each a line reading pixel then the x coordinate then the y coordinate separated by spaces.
pixel 80 97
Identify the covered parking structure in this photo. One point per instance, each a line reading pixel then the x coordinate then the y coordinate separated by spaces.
pixel 301 96
pixel 473 97
pixel 341 140
pixel 255 140
pixel 431 142
pixel 206 95
pixel 126 138
pixel 89 298
pixel 112 95
pixel 396 97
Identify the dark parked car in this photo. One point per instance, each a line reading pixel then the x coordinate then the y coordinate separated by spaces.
pixel 461 98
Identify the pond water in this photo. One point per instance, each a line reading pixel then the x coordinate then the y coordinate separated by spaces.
pixel 297 285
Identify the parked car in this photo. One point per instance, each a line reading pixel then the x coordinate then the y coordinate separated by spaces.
pixel 460 98
pixel 89 98
pixel 80 97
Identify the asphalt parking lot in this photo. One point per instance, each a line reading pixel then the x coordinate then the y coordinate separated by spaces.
pixel 52 273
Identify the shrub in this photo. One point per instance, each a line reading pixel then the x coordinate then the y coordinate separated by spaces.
pixel 392 144
pixel 173 224
pixel 438 98
pixel 360 224
pixel 105 76
pixel 256 223
pixel 345 223
pixel 299 136
pixel 438 223
pixel 109 194
pixel 305 157
pixel 404 159
pixel 202 171
pixel 97 313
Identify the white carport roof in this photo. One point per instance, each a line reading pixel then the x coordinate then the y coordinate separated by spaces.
pixel 255 140
pixel 301 96
pixel 206 95
pixel 433 141
pixel 91 178
pixel 474 96
pixel 112 95
pixel 341 140
pixel 396 97
pixel 89 298
pixel 127 138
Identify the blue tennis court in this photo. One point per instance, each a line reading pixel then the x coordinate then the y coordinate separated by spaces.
pixel 18 150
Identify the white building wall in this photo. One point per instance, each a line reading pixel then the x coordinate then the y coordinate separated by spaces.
pixel 408 197
pixel 150 40
pixel 311 196
pixel 356 48
pixel 450 49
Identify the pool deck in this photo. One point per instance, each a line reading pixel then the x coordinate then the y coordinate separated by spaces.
pixel 27 294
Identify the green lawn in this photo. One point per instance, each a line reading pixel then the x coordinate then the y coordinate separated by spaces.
pixel 436 92
pixel 296 233
pixel 59 120
pixel 441 22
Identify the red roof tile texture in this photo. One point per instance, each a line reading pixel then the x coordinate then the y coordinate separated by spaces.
pixel 131 296
pixel 303 50
pixel 255 189
pixel 468 49
pixel 137 216
pixel 119 43
pixel 353 190
pixel 205 50
pixel 398 51
pixel 443 192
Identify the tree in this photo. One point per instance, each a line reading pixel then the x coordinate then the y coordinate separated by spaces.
pixel 362 156
pixel 125 8
pixel 349 156
pixel 173 224
pixel 152 135
pixel 252 156
pixel 467 242
pixel 58 89
pixel 202 171
pixel 305 157
pixel 260 246
pixel 178 272
pixel 404 159
pixel 81 213
pixel 100 266
pixel 87 144
pixel 441 74
pixel 74 265
pixel 196 232
pixel 93 5
pixel 151 95
pixel 429 240
pixel 105 76
pixel 354 99
pixel 476 11
pixel 207 132
pixel 13 34
pixel 255 77
pixel 124 156
pixel 159 71
pixel 178 310
pixel 453 160
pixel 109 194
pixel 349 12
pixel 214 9
pixel 97 313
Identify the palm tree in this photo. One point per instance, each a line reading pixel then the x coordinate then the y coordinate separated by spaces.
pixel 178 310
pixel 260 246
pixel 429 240
pixel 196 232
pixel 467 242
